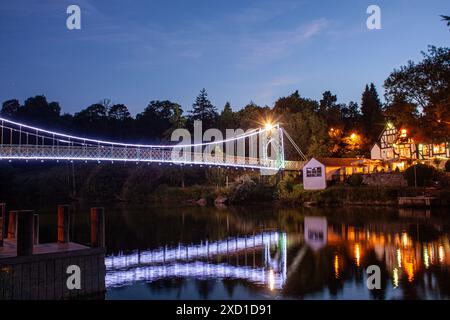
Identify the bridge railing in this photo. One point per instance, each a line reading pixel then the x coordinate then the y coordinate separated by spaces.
pixel 112 153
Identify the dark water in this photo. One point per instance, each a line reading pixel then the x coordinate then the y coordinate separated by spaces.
pixel 269 253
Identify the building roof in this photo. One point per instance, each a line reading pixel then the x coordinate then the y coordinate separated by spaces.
pixel 342 162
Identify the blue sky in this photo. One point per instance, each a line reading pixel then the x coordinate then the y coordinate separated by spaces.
pixel 240 51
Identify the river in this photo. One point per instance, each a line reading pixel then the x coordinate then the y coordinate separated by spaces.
pixel 263 252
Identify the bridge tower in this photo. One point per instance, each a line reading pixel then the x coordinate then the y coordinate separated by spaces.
pixel 272 147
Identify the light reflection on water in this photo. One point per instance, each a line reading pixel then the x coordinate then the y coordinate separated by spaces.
pixel 152 265
pixel 268 253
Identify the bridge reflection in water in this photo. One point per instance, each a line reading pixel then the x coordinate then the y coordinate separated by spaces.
pixel 195 261
pixel 351 249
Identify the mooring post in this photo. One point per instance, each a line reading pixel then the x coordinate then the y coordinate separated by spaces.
pixel 25 232
pixel 2 223
pixel 63 223
pixel 12 225
pixel 35 229
pixel 97 227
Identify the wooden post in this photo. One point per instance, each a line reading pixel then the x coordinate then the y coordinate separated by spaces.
pixel 25 232
pixel 12 225
pixel 97 227
pixel 2 223
pixel 36 229
pixel 63 223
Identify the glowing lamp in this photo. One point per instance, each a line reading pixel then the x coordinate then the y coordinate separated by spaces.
pixel 268 126
pixel 404 132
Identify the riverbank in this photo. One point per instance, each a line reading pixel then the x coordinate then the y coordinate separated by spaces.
pixel 154 184
pixel 343 195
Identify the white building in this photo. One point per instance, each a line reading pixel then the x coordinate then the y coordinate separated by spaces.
pixel 314 177
pixel 316 232
pixel 316 172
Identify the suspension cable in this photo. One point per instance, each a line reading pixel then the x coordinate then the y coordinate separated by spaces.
pixel 296 147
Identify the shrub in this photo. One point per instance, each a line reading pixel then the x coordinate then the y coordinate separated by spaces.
pixel 447 166
pixel 355 180
pixel 423 173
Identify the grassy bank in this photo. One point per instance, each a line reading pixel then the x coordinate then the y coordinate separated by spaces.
pixel 346 195
pixel 107 183
pixel 188 195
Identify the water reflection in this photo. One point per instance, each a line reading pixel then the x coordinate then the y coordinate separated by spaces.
pixel 151 265
pixel 263 252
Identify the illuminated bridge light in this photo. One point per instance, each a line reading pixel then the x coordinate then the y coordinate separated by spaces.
pixel 395 278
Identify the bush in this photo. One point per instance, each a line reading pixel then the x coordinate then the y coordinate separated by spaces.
pixel 447 166
pixel 423 173
pixel 355 180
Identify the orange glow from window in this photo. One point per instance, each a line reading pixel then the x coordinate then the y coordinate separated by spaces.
pixel 409 269
pixel 403 133
pixel 336 266
pixel 358 254
pixel 404 239
pixel 441 254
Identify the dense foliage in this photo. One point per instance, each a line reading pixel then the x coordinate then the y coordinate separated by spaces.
pixel 421 174
pixel 417 96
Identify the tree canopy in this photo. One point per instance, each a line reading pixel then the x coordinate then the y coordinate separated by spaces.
pixel 417 97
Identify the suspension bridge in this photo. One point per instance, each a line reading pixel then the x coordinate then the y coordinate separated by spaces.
pixel 261 148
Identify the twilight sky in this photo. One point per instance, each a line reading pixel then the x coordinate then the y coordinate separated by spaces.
pixel 239 50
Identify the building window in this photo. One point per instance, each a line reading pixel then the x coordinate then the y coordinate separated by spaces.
pixel 315 235
pixel 314 172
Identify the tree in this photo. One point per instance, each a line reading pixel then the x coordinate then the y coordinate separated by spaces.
pixel 92 114
pixel 10 108
pixel 120 122
pixel 447 166
pixel 92 121
pixel 327 102
pixel 36 110
pixel 420 175
pixel 204 111
pixel 119 112
pixel 372 119
pixel 158 118
pixel 176 120
pixel 227 118
pixel 447 19
pixel 351 116
pixel 403 114
pixel 329 108
pixel 252 116
pixel 309 131
pixel 294 103
pixel 426 84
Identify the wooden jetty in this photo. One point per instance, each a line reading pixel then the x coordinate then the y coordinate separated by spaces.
pixel 420 201
pixel 33 271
